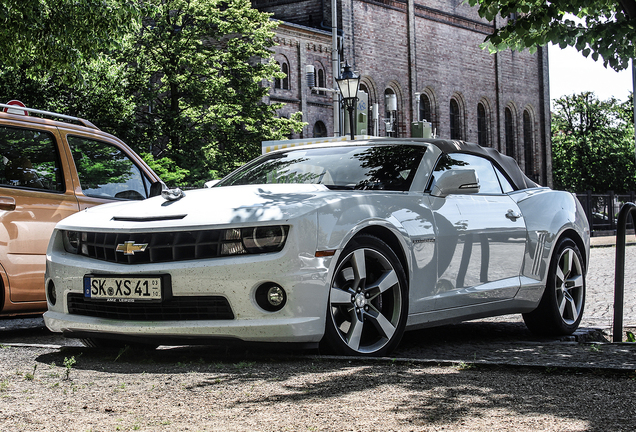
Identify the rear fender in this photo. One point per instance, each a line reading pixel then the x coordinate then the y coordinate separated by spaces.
pixel 545 228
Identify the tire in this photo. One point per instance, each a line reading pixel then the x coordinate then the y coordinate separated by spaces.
pixel 561 307
pixel 368 300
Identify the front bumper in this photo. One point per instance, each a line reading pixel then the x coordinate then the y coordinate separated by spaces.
pixel 304 329
pixel 304 278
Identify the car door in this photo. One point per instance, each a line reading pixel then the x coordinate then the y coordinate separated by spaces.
pixel 35 193
pixel 480 238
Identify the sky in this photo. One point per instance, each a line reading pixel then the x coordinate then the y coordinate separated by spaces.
pixel 571 73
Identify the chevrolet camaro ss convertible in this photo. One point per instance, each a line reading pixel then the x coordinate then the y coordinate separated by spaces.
pixel 343 245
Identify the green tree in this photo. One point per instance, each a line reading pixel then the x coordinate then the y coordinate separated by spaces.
pixel 593 144
pixel 606 28
pixel 198 70
pixel 40 36
pixel 187 87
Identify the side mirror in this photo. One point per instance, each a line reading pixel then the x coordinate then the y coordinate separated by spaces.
pixel 156 188
pixel 456 181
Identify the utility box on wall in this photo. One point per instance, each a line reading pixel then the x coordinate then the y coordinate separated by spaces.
pixel 361 115
pixel 421 129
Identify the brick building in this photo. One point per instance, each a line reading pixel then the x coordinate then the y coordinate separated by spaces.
pixel 418 61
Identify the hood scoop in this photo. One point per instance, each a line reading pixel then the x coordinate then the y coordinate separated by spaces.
pixel 147 218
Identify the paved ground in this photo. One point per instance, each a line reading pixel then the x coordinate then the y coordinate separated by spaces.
pixel 600 283
pixel 497 341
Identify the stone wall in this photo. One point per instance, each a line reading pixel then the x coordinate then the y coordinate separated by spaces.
pixel 410 48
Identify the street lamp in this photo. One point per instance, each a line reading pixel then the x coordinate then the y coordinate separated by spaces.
pixel 348 83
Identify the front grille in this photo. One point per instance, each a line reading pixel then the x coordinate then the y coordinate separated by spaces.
pixel 162 246
pixel 174 309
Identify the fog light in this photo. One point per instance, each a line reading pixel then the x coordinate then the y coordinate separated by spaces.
pixel 50 293
pixel 275 296
pixel 271 297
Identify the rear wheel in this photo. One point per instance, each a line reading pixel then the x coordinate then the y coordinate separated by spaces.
pixel 561 307
pixel 368 300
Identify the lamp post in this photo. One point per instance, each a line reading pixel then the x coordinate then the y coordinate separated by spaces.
pixel 348 83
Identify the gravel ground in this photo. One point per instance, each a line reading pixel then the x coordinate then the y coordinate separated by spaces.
pixel 478 376
pixel 198 389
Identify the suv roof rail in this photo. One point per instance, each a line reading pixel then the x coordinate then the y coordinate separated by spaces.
pixel 50 114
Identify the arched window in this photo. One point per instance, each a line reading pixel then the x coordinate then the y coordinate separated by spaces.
pixel 510 132
pixel 284 82
pixel 370 121
pixel 285 69
pixel 482 126
pixel 455 120
pixel 278 82
pixel 528 143
pixel 425 108
pixel 320 130
pixel 321 80
pixel 391 113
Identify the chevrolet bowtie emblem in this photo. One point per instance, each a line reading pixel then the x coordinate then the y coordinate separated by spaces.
pixel 130 247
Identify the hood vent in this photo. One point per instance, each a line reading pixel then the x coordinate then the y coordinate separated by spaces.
pixel 147 218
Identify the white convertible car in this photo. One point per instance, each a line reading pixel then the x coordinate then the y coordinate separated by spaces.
pixel 344 245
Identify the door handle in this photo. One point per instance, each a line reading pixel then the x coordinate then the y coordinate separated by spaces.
pixel 7 203
pixel 513 215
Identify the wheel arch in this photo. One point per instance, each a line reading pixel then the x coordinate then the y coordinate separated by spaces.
pixel 576 238
pixel 391 240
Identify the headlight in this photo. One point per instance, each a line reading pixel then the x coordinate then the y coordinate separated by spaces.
pixel 254 240
pixel 74 242
pixel 264 239
pixel 71 241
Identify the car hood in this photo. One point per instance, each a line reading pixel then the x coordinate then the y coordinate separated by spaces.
pixel 207 207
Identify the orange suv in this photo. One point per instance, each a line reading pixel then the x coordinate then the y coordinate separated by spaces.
pixel 49 170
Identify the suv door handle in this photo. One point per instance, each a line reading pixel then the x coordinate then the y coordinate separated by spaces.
pixel 513 215
pixel 7 203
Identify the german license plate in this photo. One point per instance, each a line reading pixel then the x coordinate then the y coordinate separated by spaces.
pixel 122 289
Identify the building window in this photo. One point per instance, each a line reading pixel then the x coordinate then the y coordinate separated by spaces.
pixel 391 113
pixel 510 133
pixel 320 130
pixel 528 143
pixel 455 120
pixel 482 126
pixel 278 83
pixel 284 82
pixel 321 80
pixel 286 79
pixel 371 122
pixel 425 108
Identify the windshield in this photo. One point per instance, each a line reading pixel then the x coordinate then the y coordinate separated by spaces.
pixel 387 167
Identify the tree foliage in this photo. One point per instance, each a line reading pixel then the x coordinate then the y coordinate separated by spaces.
pixel 186 85
pixel 198 69
pixel 593 144
pixel 62 35
pixel 605 28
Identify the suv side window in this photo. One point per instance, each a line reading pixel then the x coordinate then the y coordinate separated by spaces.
pixel 29 158
pixel 105 171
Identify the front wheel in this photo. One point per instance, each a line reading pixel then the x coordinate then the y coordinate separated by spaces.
pixel 368 300
pixel 561 307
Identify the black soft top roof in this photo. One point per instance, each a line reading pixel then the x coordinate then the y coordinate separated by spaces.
pixel 507 164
